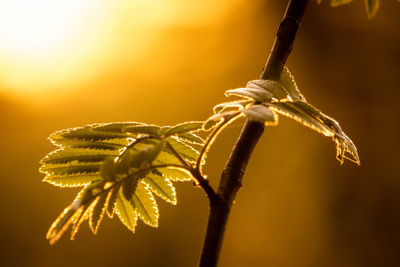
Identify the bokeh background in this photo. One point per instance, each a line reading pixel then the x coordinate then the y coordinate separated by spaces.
pixel 169 61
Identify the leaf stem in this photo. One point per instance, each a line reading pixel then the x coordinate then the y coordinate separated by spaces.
pixel 231 178
pixel 210 140
pixel 177 155
pixel 203 182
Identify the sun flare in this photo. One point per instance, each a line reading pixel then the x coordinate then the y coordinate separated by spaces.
pixel 43 41
pixel 34 27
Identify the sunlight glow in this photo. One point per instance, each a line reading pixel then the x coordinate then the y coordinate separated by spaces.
pixel 37 26
pixel 45 42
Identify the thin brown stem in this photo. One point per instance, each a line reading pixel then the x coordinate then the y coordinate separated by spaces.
pixel 203 182
pixel 231 178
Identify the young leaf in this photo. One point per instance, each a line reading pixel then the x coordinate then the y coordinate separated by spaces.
pixel 108 170
pixel 288 82
pixel 143 129
pixel 191 138
pixel 161 186
pixel 186 151
pixel 261 114
pixel 129 186
pixel 270 89
pixel 145 205
pixel 231 105
pixel 97 212
pixel 113 194
pixel 114 127
pixel 256 94
pixel 126 212
pixel 174 174
pixel 61 224
pixel 72 167
pixel 72 180
pixel 87 133
pixel 66 155
pixel 185 127
pixel 316 120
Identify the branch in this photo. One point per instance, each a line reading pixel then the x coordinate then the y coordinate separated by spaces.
pixel 231 178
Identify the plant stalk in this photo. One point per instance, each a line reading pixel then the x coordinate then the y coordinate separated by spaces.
pixel 231 178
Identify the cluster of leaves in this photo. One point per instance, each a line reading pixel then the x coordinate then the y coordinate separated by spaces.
pixel 120 166
pixel 263 100
pixel 371 6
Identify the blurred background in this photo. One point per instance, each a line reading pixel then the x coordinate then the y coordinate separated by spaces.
pixel 69 63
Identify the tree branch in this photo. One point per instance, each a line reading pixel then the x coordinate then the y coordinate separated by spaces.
pixel 231 178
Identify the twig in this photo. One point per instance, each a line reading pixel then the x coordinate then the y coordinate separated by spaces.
pixel 231 178
pixel 203 182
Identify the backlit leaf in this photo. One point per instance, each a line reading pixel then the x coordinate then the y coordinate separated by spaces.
pixel 143 129
pixel 72 180
pixel 261 114
pixel 185 150
pixel 129 186
pixel 126 212
pixel 270 89
pixel 184 128
pixel 97 212
pixel 78 154
pixel 175 174
pixel 113 195
pixel 255 94
pixel 191 138
pixel 145 205
pixel 288 82
pixel 161 186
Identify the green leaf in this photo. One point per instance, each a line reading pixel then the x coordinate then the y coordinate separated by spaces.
pixel 113 144
pixel 143 129
pixel 270 89
pixel 313 118
pixel 288 82
pixel 72 180
pixel 126 212
pixel 78 154
pixel 191 139
pixel 153 151
pixel 335 3
pixel 185 127
pixel 72 167
pixel 186 151
pixel 175 174
pixel 372 7
pixel 129 186
pixel 261 114
pixel 114 127
pixel 61 224
pixel 110 163
pixel 145 204
pixel 113 195
pixel 97 212
pixel 86 133
pixel 161 186
pixel 108 170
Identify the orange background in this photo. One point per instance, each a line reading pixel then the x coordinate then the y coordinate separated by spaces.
pixel 297 207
